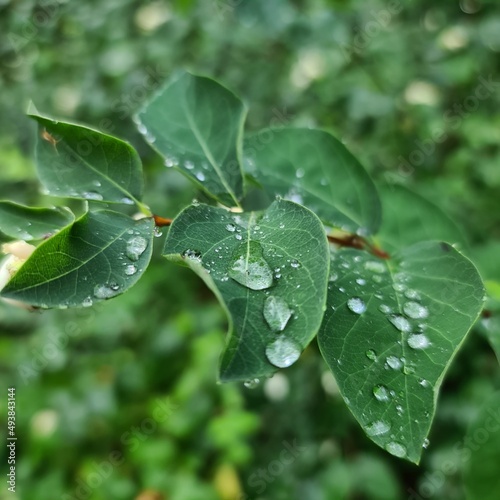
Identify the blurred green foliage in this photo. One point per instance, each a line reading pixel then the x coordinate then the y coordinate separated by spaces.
pixel 410 87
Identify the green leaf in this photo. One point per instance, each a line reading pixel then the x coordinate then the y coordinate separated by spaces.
pixel 27 223
pixel 262 266
pixel 196 124
pixel 481 478
pixel 390 332
pixel 74 161
pixel 98 257
pixel 408 218
pixel 313 168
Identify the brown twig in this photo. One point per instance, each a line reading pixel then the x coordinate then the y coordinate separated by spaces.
pixel 355 241
pixel 162 221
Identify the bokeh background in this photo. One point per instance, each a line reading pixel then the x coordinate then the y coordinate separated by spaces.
pixel 412 88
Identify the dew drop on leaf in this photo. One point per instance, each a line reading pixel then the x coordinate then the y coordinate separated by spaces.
pixel 277 313
pixel 418 341
pixel 136 247
pixel 375 267
pixel 378 428
pixel 252 383
pixel 381 393
pixel 401 323
pixel 231 228
pixel 394 362
pixel 87 302
pixel 356 305
pixel 92 195
pixel 130 270
pixel 249 268
pixel 415 310
pixel 106 291
pixel 192 255
pixel 371 354
pixel 283 352
pixel 426 443
pixel 396 449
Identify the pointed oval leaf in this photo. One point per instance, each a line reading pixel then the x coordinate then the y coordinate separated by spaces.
pixel 248 258
pixel 313 168
pixel 74 161
pixel 390 332
pixel 408 219
pixel 98 257
pixel 29 223
pixel 196 124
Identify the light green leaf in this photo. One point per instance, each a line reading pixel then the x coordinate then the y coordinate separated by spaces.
pixel 196 124
pixel 98 257
pixel 261 266
pixel 481 478
pixel 313 168
pixel 390 332
pixel 74 161
pixel 407 218
pixel 28 223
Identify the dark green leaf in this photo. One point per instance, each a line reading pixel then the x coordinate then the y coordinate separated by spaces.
pixel 98 257
pixel 27 223
pixel 196 125
pixel 313 168
pixel 74 161
pixel 390 332
pixel 262 266
pixel 408 218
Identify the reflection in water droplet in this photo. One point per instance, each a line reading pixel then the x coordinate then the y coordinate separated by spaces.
pixel 277 313
pixel 401 323
pixel 251 384
pixel 418 341
pixel 106 291
pixel 249 267
pixel 136 247
pixel 356 305
pixel 394 362
pixel 415 310
pixel 396 449
pixel 130 270
pixel 381 393
pixel 283 352
pixel 378 428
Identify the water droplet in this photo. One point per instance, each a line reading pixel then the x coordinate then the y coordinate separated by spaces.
pixel 385 309
pixel 252 383
pixel 96 183
pixel 192 255
pixel 238 237
pixel 300 173
pixel 106 291
pixel 200 176
pixel 283 352
pixel 92 195
pixel 401 323
pixel 394 362
pixel 396 449
pixel 277 313
pixel 375 266
pixel 378 428
pixel 136 247
pixel 231 228
pixel 158 232
pixel 295 264
pixel 426 443
pixel 412 294
pixel 88 302
pixel 381 393
pixel 415 310
pixel 361 281
pixel 130 270
pixel 424 383
pixel 418 341
pixel 356 305
pixel 249 267
pixel 371 354
pixel 189 165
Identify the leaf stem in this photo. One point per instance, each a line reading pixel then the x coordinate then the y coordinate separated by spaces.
pixel 355 241
pixel 162 221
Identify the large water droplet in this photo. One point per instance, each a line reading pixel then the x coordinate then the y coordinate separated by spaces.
pixel 356 305
pixel 277 313
pixel 283 352
pixel 401 323
pixel 375 266
pixel 106 291
pixel 249 267
pixel 378 428
pixel 231 228
pixel 394 362
pixel 130 270
pixel 92 195
pixel 418 341
pixel 396 449
pixel 136 247
pixel 381 393
pixel 415 310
